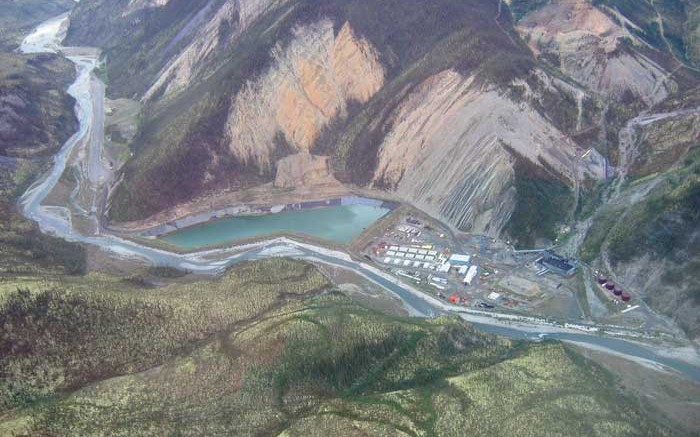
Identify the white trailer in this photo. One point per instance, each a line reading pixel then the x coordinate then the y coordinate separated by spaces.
pixel 471 274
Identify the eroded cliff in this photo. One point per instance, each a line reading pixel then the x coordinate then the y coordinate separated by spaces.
pixel 453 146
pixel 310 83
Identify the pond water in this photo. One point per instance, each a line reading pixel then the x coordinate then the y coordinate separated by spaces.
pixel 334 223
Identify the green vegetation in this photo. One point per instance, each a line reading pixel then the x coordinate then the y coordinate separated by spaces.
pixel 82 330
pixel 467 39
pixel 266 351
pixel 664 221
pixel 135 43
pixel 542 203
pixel 20 16
pixel 520 8
pixel 679 19
pixel 101 72
pixel 270 348
pixel 659 225
pixel 598 233
pixel 166 164
pixel 658 233
pixel 23 248
pixel 37 116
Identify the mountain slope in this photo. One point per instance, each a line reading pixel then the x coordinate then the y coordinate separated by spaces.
pixel 36 118
pixel 255 355
pixel 350 92
pixel 20 16
pixel 36 113
pixel 325 78
pixel 648 238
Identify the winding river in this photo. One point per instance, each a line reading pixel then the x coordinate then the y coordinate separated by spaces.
pixel 56 221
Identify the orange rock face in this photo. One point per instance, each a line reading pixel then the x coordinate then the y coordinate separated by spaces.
pixel 309 84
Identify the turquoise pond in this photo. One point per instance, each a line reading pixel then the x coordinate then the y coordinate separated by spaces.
pixel 335 223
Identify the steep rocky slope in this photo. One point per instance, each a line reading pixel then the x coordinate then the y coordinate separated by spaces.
pixel 667 25
pixel 309 84
pixel 473 111
pixel 660 145
pixel 648 237
pixel 209 31
pixel 321 78
pixel 590 47
pixel 453 146
pixel 137 37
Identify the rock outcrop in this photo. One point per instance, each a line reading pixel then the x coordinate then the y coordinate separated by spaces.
pixel 310 83
pixel 660 145
pixel 589 46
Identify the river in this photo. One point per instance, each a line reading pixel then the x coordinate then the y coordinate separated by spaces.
pixel 47 37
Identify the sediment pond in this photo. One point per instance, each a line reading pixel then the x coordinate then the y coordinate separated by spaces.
pixel 339 223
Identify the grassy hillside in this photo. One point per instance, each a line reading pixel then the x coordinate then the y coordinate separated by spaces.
pixel 36 113
pixel 94 327
pixel 266 351
pixel 664 221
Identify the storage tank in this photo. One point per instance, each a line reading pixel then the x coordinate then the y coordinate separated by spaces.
pixel 602 280
pixel 610 286
pixel 617 292
pixel 625 296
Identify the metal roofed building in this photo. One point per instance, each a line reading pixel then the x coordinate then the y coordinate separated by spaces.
pixel 460 260
pixel 559 264
pixel 471 274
